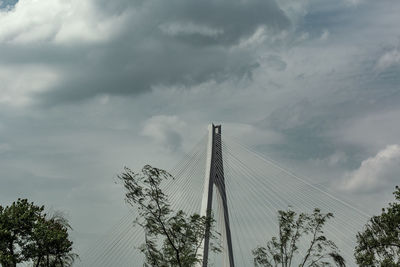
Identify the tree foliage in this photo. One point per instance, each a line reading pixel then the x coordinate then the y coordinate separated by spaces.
pixel 16 226
pixel 26 234
pixel 172 238
pixel 50 244
pixel 293 230
pixel 379 243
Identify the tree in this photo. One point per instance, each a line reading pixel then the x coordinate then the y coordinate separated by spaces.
pixel 293 229
pixel 379 243
pixel 26 234
pixel 16 226
pixel 50 244
pixel 171 238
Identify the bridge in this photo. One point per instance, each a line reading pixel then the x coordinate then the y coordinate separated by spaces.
pixel 244 190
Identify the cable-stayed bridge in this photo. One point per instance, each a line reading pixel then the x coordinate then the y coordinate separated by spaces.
pixel 244 190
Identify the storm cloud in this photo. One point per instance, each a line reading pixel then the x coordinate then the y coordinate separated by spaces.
pixel 88 87
pixel 102 49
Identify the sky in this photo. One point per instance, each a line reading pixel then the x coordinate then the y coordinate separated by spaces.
pixel 88 87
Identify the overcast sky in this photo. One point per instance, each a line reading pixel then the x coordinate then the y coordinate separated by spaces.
pixel 87 87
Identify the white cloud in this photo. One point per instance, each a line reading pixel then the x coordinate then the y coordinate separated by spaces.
pixel 166 131
pixel 295 9
pixel 55 20
pixel 189 29
pixel 388 59
pixel 251 135
pixel 353 3
pixel 257 38
pixel 371 132
pixel 337 158
pixel 19 83
pixel 325 35
pixel 375 172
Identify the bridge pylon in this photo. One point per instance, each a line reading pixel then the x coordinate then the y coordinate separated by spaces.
pixel 214 177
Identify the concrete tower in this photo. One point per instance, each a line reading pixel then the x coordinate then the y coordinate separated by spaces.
pixel 214 178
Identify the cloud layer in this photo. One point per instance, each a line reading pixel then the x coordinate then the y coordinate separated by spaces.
pixel 377 172
pixel 166 131
pixel 90 86
pixel 130 49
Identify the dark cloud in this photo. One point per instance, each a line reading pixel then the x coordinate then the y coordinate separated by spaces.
pixel 310 124
pixel 276 63
pixel 159 43
pixel 322 94
pixel 234 19
pixel 7 4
